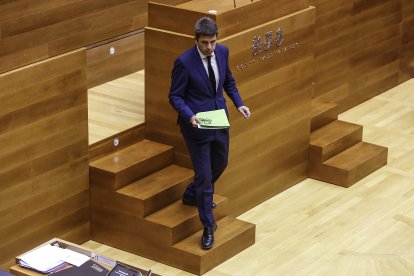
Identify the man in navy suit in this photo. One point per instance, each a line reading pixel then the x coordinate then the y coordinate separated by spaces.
pixel 198 78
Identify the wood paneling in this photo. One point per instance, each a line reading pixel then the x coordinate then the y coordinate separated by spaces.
pixel 158 66
pixel 32 31
pixel 407 41
pixel 333 42
pixel 376 44
pixel 229 19
pixel 126 58
pixel 357 49
pixel 44 161
pixel 271 148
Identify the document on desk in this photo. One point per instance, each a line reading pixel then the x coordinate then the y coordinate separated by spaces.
pixel 215 119
pixel 50 258
pixel 43 259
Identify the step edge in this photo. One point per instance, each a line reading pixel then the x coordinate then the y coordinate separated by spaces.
pixel 180 179
pixel 381 150
pixel 95 164
pixel 356 128
pixel 247 226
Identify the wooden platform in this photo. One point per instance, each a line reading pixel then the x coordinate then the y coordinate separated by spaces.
pixel 337 154
pixel 332 139
pixel 136 206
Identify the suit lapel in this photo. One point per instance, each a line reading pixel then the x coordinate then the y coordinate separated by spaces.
pixel 220 66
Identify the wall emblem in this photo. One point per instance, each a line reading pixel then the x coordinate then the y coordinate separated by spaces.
pixel 267 48
pixel 270 38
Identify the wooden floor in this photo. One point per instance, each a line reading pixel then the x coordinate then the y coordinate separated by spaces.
pixel 116 106
pixel 315 228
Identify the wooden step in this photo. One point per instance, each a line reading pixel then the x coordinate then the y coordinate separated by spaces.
pixel 159 189
pixel 129 164
pixel 232 237
pixel 322 113
pixel 332 139
pixel 179 221
pixel 351 165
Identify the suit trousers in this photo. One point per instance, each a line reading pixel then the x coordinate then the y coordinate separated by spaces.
pixel 209 157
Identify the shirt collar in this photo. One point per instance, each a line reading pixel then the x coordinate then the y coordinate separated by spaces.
pixel 202 55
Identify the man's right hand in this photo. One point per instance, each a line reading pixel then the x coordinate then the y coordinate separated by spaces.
pixel 194 121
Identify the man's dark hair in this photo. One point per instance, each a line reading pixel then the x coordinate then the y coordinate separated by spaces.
pixel 205 26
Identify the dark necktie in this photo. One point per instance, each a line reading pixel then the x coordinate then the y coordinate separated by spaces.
pixel 211 74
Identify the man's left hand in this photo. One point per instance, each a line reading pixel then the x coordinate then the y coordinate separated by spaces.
pixel 245 111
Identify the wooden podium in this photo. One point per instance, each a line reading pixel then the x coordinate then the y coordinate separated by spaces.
pixel 271 58
pixel 137 206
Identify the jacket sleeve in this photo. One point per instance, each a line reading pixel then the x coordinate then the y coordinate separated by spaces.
pixel 229 84
pixel 179 81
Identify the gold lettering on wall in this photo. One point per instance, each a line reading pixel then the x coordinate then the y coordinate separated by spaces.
pixel 270 47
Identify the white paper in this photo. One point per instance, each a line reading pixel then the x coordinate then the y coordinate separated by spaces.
pixel 43 258
pixel 75 258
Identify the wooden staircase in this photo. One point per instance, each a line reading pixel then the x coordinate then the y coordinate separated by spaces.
pixel 136 206
pixel 337 154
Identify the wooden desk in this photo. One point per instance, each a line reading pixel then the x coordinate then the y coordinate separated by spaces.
pixel 101 259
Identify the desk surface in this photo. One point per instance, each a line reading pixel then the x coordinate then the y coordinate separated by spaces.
pixel 21 271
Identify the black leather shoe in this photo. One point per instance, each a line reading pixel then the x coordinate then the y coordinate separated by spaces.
pixel 191 202
pixel 207 240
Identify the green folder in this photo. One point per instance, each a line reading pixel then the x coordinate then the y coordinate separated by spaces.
pixel 214 119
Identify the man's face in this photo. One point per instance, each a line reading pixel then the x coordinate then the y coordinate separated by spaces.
pixel 206 44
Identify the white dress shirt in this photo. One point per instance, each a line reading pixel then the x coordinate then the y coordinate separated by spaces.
pixel 213 64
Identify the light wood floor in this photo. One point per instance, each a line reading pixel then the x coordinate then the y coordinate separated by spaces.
pixel 315 228
pixel 116 106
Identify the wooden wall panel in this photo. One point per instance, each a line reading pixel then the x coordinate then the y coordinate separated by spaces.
pixel 44 161
pixel 269 152
pixel 357 49
pixel 161 126
pixel 30 32
pixel 333 48
pixel 230 20
pixel 376 46
pixel 407 41
pixel 127 58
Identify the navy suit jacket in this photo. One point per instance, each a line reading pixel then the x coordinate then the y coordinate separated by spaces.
pixel 191 91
